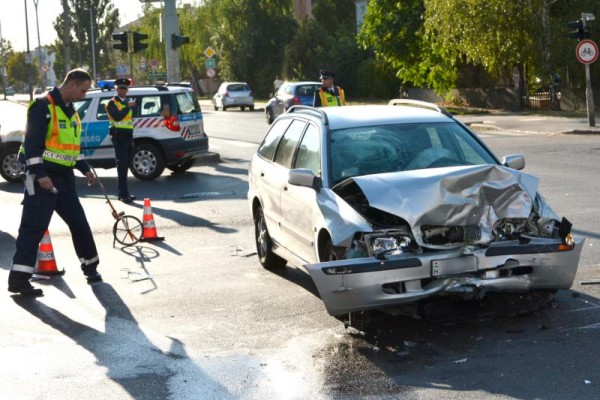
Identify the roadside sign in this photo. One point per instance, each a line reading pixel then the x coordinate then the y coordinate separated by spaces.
pixel 45 67
pixel 209 52
pixel 154 64
pixel 210 63
pixel 121 69
pixel 210 73
pixel 587 51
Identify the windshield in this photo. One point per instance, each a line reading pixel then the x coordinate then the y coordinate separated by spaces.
pixel 403 147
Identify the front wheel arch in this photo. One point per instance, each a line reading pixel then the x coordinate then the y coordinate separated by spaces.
pixel 148 161
pixel 326 250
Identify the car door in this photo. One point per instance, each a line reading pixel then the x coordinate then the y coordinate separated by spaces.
pixel 266 177
pixel 95 139
pixel 299 210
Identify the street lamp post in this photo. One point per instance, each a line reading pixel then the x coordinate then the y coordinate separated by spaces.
pixel 2 67
pixel 28 61
pixel 40 61
pixel 93 43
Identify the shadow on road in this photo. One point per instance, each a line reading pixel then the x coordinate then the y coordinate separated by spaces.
pixel 131 359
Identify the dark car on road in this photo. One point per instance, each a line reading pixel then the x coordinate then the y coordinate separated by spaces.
pixel 290 94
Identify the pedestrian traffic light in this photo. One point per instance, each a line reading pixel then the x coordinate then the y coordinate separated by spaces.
pixel 122 39
pixel 137 41
pixel 177 40
pixel 581 32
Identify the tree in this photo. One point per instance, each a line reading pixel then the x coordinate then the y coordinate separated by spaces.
pixel 249 37
pixel 18 70
pixel 104 20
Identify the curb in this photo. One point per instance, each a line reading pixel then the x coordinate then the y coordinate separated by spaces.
pixel 483 125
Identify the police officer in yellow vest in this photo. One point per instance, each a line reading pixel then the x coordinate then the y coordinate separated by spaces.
pixel 120 115
pixel 50 151
pixel 329 95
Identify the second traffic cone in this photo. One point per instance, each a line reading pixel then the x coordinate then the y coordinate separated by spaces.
pixel 150 233
pixel 46 262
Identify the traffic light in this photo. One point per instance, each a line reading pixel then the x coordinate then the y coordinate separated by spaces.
pixel 177 40
pixel 581 32
pixel 137 41
pixel 122 39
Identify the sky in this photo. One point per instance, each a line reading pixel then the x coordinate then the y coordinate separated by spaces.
pixel 12 20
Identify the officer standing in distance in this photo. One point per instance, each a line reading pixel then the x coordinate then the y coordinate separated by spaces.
pixel 50 151
pixel 328 94
pixel 120 116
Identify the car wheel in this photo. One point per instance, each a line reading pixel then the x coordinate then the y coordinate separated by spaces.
pixel 184 166
pixel 328 253
pixel 269 116
pixel 215 106
pixel 243 108
pixel 224 108
pixel 12 169
pixel 251 108
pixel 264 244
pixel 148 162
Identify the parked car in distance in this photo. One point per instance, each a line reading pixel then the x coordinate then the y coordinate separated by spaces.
pixel 233 94
pixel 10 91
pixel 169 132
pixel 290 94
pixel 386 206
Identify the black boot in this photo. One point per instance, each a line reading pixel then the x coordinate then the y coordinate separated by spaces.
pixel 91 274
pixel 18 282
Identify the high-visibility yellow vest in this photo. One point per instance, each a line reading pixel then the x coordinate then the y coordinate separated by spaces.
pixel 126 123
pixel 329 100
pixel 63 138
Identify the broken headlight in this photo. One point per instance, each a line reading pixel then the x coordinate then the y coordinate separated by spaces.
pixel 389 243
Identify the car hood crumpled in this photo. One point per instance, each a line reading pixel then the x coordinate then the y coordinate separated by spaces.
pixel 455 196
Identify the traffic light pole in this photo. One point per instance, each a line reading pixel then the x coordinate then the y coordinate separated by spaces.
pixel 589 95
pixel 171 26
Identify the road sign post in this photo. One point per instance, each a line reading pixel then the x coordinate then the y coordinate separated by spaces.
pixel 587 53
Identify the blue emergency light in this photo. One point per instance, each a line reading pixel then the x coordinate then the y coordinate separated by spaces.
pixel 108 84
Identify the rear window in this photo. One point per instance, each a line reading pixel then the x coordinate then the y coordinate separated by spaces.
pixel 186 103
pixel 238 87
pixel 306 90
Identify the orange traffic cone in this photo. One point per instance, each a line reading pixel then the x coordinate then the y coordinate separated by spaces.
pixel 150 233
pixel 46 262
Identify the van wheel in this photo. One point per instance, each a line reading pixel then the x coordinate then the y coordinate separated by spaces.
pixel 11 169
pixel 264 244
pixel 182 167
pixel 148 161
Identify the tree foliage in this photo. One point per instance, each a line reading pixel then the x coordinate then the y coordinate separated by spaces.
pixel 105 18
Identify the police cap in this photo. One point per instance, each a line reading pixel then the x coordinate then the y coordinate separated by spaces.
pixel 325 74
pixel 123 82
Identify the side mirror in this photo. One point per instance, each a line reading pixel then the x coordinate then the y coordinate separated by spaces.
pixel 305 178
pixel 514 161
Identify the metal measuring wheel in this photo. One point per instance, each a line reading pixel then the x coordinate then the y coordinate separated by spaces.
pixel 127 230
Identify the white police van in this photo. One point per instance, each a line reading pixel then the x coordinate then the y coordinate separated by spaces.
pixel 168 132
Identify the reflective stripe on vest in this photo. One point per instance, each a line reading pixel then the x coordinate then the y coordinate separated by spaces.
pixel 126 122
pixel 329 100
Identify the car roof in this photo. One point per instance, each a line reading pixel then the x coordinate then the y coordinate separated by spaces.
pixel 141 90
pixel 366 115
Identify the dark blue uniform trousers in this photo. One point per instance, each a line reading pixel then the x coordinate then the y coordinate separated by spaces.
pixel 123 144
pixel 37 212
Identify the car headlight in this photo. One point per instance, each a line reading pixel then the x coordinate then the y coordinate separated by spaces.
pixel 389 243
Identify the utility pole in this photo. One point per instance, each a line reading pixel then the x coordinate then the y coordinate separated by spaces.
pixel 28 61
pixel 93 43
pixel 67 36
pixel 40 60
pixel 170 25
pixel 3 66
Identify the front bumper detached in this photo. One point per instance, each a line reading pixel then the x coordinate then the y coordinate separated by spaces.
pixel 369 283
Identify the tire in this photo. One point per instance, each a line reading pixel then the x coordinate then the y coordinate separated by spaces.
pixel 251 108
pixel 243 108
pixel 264 244
pixel 184 166
pixel 327 252
pixel 269 116
pixel 224 108
pixel 148 161
pixel 215 106
pixel 11 169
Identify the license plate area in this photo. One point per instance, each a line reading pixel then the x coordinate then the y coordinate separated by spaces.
pixel 453 266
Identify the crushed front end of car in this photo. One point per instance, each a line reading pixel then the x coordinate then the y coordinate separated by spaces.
pixel 460 231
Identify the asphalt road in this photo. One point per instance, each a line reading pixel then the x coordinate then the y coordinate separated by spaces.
pixel 197 317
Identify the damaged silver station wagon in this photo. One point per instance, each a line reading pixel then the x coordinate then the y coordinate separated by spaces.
pixel 390 205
